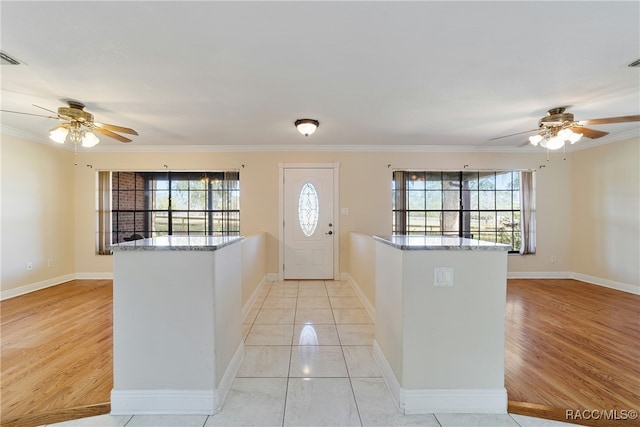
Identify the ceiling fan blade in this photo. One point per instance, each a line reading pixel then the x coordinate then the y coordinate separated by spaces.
pixel 115 128
pixel 29 114
pixel 110 134
pixel 604 121
pixel 514 134
pixel 45 109
pixel 589 133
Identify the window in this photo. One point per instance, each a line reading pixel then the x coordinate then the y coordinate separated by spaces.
pixel 308 209
pixel 480 205
pixel 150 204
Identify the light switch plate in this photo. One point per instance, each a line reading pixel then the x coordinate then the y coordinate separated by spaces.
pixel 443 276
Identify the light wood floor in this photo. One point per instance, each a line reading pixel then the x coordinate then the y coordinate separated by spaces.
pixel 569 346
pixel 572 346
pixel 56 353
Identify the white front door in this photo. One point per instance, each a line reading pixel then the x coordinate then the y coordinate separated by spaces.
pixel 309 230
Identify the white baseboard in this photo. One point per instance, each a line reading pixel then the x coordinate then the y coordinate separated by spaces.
pixel 252 299
pixel 183 402
pixel 438 401
pixel 632 289
pixel 32 287
pixel 371 310
pixel 177 402
pixel 538 275
pixel 624 287
pixel 229 375
pixel 95 276
pixel 389 377
pixel 272 277
pixel 455 401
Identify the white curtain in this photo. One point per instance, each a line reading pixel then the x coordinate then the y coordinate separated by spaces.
pixel 104 213
pixel 528 212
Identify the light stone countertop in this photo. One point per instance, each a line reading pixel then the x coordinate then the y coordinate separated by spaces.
pixel 439 243
pixel 178 243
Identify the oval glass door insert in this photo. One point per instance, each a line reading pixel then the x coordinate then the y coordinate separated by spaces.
pixel 308 209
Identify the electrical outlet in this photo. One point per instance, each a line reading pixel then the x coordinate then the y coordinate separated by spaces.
pixel 554 259
pixel 50 263
pixel 29 266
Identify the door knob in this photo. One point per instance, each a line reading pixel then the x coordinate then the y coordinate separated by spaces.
pixel 329 232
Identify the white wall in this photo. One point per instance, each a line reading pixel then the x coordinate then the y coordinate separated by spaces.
pixel 362 265
pixel 37 215
pixel 606 215
pixel 254 264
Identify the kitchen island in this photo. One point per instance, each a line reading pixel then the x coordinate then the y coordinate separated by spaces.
pixel 440 322
pixel 177 327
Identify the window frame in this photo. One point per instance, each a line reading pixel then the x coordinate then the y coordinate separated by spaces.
pixel 207 201
pixel 404 207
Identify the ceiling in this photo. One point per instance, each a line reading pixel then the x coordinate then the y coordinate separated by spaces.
pixel 440 75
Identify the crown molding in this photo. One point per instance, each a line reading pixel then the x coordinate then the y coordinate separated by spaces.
pixel 305 148
pixel 622 136
pixel 133 148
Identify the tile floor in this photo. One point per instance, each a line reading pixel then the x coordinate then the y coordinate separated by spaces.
pixel 308 362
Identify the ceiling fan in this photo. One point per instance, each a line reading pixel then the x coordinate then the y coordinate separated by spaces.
pixel 558 127
pixel 79 125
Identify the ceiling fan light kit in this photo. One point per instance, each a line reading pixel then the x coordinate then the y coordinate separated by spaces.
pixel 89 139
pixel 307 126
pixel 556 129
pixel 59 134
pixel 554 139
pixel 76 134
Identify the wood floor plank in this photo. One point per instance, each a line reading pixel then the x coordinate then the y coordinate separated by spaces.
pixel 56 355
pixel 572 346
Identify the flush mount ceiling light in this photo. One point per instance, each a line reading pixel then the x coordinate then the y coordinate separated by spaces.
pixel 307 126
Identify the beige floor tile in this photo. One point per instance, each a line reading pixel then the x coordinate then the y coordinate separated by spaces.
pixel 270 335
pixel 279 302
pixel 311 334
pixel 275 316
pixel 306 284
pixel 314 361
pixel 313 302
pixel 341 292
pixel 356 334
pixel 320 402
pixel 352 315
pixel 360 361
pixel 346 302
pixel 265 361
pixel 316 316
pixel 312 292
